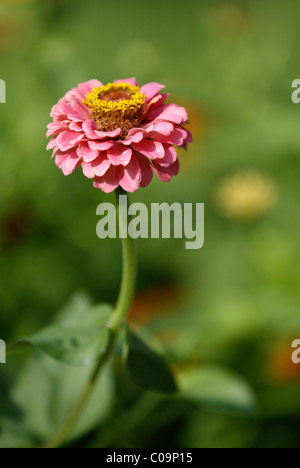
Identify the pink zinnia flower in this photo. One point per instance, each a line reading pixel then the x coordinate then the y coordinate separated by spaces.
pixel 118 133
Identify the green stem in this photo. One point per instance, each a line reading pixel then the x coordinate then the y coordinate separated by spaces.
pixel 129 268
pixel 122 308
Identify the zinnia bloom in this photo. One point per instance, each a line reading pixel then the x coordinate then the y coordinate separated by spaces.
pixel 118 133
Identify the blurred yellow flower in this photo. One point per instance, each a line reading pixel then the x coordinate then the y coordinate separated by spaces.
pixel 246 195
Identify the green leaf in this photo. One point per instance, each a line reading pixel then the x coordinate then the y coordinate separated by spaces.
pixel 47 391
pixel 13 435
pixel 76 307
pixel 78 337
pixel 146 368
pixel 216 386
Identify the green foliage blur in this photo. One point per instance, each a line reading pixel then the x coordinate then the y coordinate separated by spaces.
pixel 224 316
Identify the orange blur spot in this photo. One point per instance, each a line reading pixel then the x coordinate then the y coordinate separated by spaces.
pixel 281 367
pixel 152 304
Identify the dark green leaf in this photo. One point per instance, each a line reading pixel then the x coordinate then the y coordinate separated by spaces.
pixel 78 337
pixel 146 368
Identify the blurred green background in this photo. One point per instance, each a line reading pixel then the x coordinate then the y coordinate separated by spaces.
pixel 225 315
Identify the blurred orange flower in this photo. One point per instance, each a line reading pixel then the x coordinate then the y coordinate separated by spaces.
pixel 153 304
pixel 280 366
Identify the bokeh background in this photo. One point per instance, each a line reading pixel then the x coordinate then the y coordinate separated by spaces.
pixel 226 315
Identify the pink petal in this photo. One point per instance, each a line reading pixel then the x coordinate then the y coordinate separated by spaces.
pixel 80 115
pixel 162 128
pixel 67 162
pixel 110 181
pixel 131 81
pixel 112 134
pixel 146 169
pixel 87 154
pixel 151 149
pixel 90 128
pixel 56 150
pixel 51 144
pixel 135 135
pixel 56 127
pixel 75 126
pixel 87 87
pixel 157 101
pixel 72 95
pixel 60 158
pixel 57 113
pixel 165 174
pixel 101 166
pixel 131 176
pixel 75 109
pixel 101 145
pixel 178 136
pixel 169 112
pixel 67 140
pixel 175 167
pixel 98 167
pixel 119 155
pixel 170 156
pixel 151 89
pixel 63 108
pixel 189 138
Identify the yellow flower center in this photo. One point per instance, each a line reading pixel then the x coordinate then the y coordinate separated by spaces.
pixel 116 105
